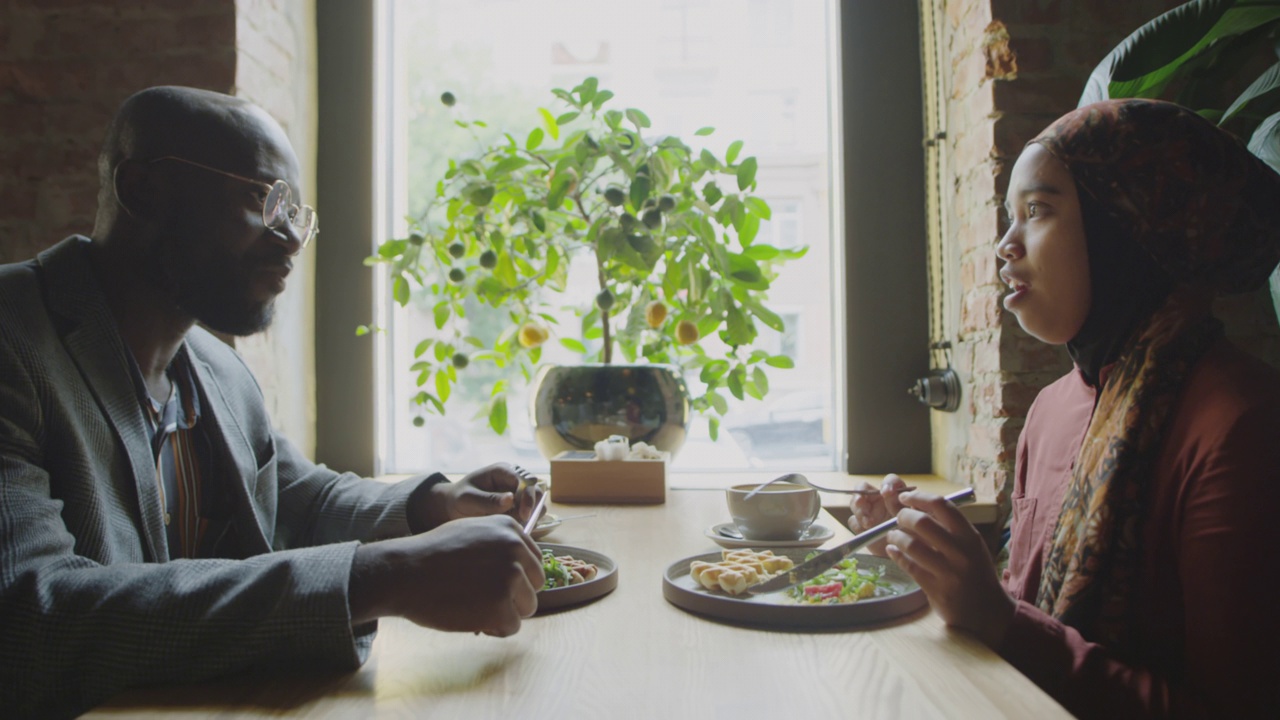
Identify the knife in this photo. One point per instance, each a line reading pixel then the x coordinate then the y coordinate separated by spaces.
pixel 820 563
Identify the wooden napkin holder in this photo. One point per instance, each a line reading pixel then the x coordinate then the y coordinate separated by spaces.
pixel 578 477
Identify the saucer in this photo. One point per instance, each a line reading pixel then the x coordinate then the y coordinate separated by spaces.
pixel 813 537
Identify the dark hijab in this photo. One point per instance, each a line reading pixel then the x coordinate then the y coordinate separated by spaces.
pixel 1175 211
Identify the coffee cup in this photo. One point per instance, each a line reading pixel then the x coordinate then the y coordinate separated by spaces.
pixel 780 511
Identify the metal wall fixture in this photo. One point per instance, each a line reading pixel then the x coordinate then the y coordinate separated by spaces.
pixel 940 389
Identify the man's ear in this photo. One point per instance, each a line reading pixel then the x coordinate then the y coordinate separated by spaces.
pixel 138 190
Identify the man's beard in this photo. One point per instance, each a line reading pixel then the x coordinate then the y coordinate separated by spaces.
pixel 214 291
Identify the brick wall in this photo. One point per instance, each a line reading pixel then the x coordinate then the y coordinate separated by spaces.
pixel 65 66
pixel 1015 66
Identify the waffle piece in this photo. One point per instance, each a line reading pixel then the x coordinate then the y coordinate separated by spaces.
pixel 731 577
pixel 769 563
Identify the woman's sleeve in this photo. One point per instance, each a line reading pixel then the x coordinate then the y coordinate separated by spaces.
pixel 1227 555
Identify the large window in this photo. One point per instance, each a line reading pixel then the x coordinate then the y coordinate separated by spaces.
pixel 759 71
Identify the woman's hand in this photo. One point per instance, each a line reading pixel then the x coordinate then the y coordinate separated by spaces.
pixel 871 509
pixel 945 554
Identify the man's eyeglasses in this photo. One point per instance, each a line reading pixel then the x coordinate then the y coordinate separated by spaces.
pixel 278 206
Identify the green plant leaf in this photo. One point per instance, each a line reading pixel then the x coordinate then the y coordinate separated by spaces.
pixel 757 206
pixel 1171 45
pixel 1265 141
pixel 747 232
pixel 1266 86
pixel 534 140
pixel 587 90
pixel 702 131
pixel 400 290
pixel 362 330
pixel 709 160
pixel 738 329
pixel 637 118
pixel 744 271
pixel 549 122
pixel 718 402
pixel 443 385
pixel 601 98
pixel 640 187
pixel 746 173
pixel 567 118
pixel 713 428
pixel 760 379
pixel 441 313
pixel 711 192
pixel 734 382
pixel 574 345
pixel 422 347
pixel 506 165
pixel 713 371
pixel 480 194
pixel 780 361
pixel 498 414
pixel 731 153
pixel 766 316
pixel 762 252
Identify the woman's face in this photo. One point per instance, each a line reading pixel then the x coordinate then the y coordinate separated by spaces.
pixel 1046 261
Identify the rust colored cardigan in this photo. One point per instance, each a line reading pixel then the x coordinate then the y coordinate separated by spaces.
pixel 1210 619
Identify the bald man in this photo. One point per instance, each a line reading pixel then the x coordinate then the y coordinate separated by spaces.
pixel 153 527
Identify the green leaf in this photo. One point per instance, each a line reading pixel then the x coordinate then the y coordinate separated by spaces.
pixel 539 221
pixel 441 313
pixel 639 190
pixel 767 316
pixel 738 329
pixel 709 160
pixel 506 165
pixel 601 98
pixel 1265 142
pixel 480 194
pixel 758 207
pixel 760 379
pixel 744 271
pixel 637 118
pixel 567 118
pixel 702 131
pixel 780 361
pixel 550 122
pixel 422 347
pixel 535 139
pixel 750 227
pixel 734 382
pixel 443 386
pixel 731 154
pixel 1267 85
pixel 400 290
pixel 587 90
pixel 362 330
pixel 762 252
pixel 498 414
pixel 426 397
pixel 746 173
pixel 712 193
pixel 718 402
pixel 559 189
pixel 1171 45
pixel 505 271
pixel 713 371
pixel 713 428
pixel 574 345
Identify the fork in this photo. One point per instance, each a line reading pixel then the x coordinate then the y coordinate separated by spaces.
pixel 799 479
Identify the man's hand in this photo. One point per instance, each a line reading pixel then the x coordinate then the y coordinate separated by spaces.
pixel 872 509
pixel 945 554
pixel 492 490
pixel 474 574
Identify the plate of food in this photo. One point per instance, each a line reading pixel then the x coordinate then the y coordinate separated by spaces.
pixel 574 575
pixel 861 589
pixel 546 524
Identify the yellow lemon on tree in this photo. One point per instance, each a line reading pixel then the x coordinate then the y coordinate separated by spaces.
pixel 532 334
pixel 686 332
pixel 655 313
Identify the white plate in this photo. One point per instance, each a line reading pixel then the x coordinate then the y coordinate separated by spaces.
pixel 778 611
pixel 545 525
pixel 603 583
pixel 813 537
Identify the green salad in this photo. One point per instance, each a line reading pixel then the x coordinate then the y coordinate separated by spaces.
pixel 557 574
pixel 843 583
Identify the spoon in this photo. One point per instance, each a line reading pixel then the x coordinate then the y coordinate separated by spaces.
pixel 799 479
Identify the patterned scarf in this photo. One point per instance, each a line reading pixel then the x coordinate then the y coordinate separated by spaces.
pixel 1208 213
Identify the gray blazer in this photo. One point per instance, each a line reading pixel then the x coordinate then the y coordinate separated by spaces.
pixel 90 602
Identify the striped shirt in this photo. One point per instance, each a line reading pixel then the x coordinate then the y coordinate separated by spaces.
pixel 182 457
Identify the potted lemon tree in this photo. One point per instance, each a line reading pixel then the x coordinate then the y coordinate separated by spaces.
pixel 666 234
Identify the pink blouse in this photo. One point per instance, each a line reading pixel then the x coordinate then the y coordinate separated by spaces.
pixel 1210 589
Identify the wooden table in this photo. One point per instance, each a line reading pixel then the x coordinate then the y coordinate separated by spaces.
pixel 631 654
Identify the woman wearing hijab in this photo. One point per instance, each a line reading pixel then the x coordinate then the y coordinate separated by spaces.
pixel 1144 559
